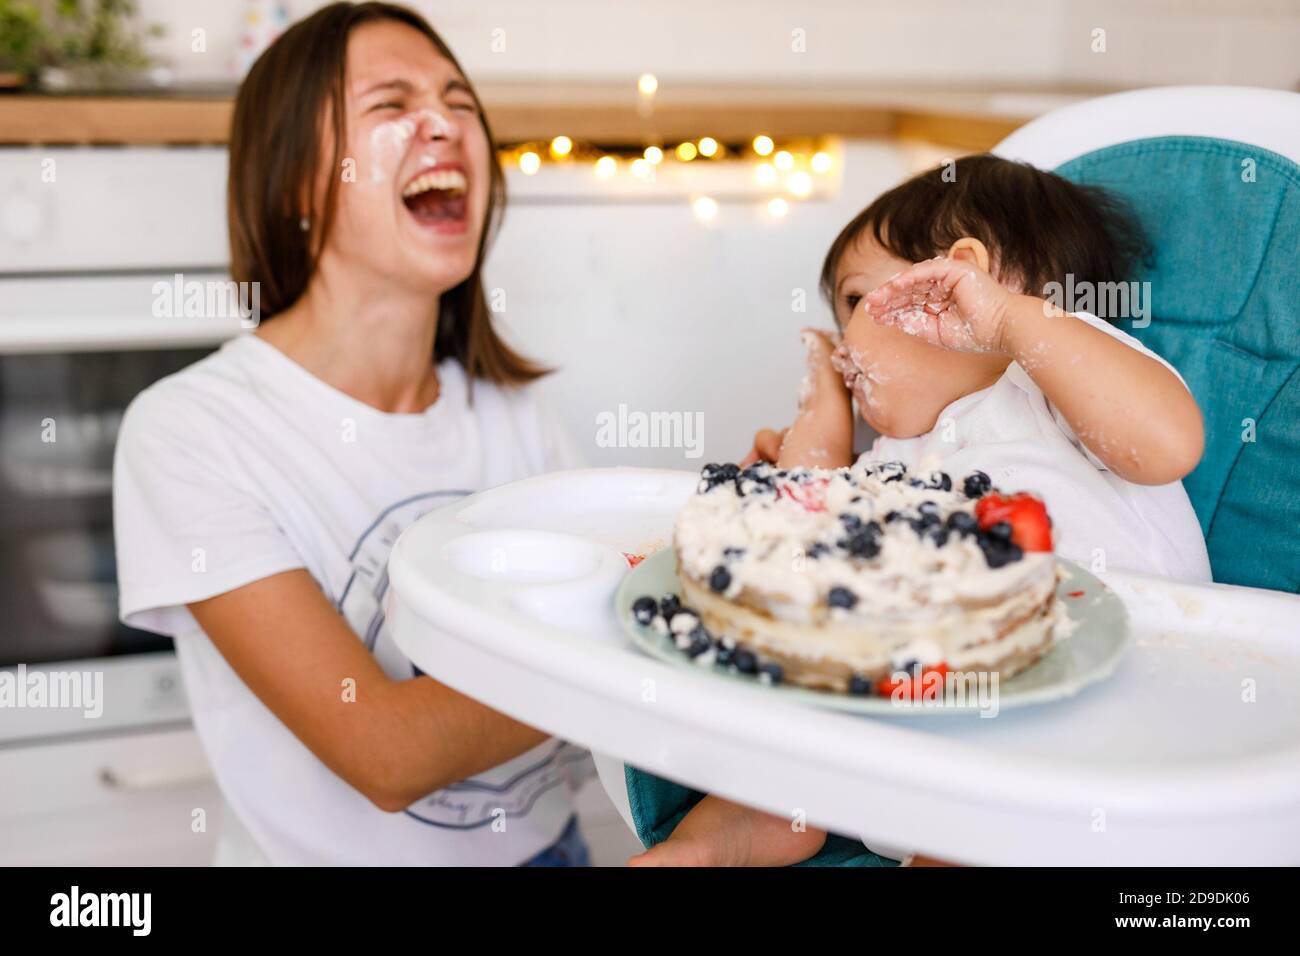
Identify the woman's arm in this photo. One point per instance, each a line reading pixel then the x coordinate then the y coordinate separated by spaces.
pixel 1127 408
pixel 822 433
pixel 394 741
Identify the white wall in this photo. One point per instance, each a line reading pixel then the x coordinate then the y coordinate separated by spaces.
pixel 918 42
pixel 641 304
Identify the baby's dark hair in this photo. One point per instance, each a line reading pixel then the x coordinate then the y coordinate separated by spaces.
pixel 1038 226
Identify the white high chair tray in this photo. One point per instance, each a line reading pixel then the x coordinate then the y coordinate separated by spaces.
pixel 1189 754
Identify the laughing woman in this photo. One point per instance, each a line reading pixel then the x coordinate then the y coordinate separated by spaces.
pixel 257 492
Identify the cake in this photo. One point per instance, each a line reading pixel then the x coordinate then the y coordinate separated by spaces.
pixel 844 579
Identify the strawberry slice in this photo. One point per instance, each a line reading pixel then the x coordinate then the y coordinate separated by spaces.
pixel 914 688
pixel 1031 528
pixel 810 494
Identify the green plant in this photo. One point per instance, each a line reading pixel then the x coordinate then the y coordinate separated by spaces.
pixel 22 37
pixel 100 33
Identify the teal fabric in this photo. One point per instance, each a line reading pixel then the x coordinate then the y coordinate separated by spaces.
pixel 658 805
pixel 1225 311
pixel 1224 222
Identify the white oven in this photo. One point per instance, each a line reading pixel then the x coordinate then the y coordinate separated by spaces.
pixel 92 241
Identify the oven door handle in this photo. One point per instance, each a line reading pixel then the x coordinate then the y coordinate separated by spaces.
pixel 146 780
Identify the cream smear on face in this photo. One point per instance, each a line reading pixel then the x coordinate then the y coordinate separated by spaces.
pixel 390 140
pixel 860 375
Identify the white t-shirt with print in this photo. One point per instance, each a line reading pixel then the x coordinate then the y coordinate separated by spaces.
pixel 1014 434
pixel 244 465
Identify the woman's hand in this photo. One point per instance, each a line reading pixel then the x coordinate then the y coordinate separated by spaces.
pixel 951 303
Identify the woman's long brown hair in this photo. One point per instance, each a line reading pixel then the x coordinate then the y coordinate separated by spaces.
pixel 275 157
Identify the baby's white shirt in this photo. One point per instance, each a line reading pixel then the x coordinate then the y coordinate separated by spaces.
pixel 1014 434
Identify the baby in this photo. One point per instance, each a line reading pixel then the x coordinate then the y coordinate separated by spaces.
pixel 955 358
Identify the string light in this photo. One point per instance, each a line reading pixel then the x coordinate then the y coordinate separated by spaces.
pixel 654 155
pixel 777 207
pixel 763 145
pixel 800 184
pixel 561 146
pixel 765 173
pixel 783 161
pixel 641 169
pixel 686 151
pixel 530 163
pixel 606 167
pixel 708 147
pixel 705 208
pixel 647 84
pixel 821 162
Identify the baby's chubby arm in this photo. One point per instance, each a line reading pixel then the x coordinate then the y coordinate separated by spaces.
pixel 1128 409
pixel 822 433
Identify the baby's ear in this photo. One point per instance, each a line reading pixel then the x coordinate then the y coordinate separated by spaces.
pixel 970 249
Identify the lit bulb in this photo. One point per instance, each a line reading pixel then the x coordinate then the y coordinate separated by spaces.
pixel 530 163
pixel 708 146
pixel 606 167
pixel 641 169
pixel 800 184
pixel 561 146
pixel 784 161
pixel 686 152
pixel 763 145
pixel 765 173
pixel 821 162
pixel 648 84
pixel 654 155
pixel 777 207
pixel 705 208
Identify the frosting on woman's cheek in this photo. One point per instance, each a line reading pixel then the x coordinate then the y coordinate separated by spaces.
pixel 390 140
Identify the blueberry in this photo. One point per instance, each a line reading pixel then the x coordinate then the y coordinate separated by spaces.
pixel 963 522
pixel 643 609
pixel 726 655
pixel 928 508
pixel 864 544
pixel 699 643
pixel 720 579
pixel 897 476
pixel 669 605
pixel 997 552
pixel 915 483
pixel 859 686
pixel 977 484
pixel 938 534
pixel 841 597
pixel 894 516
pixel 818 549
pixel 771 672
pixel 733 552
pixel 912 668
pixel 1001 531
pixel 940 480
pixel 745 661
pixel 850 521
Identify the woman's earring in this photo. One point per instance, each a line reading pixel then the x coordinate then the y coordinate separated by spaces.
pixel 304 224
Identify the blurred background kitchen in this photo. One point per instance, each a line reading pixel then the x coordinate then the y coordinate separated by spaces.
pixel 676 171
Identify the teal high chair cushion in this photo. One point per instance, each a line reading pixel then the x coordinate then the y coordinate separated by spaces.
pixel 1224 223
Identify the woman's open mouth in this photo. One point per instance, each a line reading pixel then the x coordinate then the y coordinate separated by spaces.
pixel 438 199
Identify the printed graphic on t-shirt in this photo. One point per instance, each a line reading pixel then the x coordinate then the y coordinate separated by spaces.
pixel 362 601
pixel 475 803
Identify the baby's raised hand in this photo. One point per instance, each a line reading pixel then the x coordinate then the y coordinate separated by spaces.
pixel 950 303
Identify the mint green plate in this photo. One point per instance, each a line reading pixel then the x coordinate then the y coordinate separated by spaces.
pixel 1090 654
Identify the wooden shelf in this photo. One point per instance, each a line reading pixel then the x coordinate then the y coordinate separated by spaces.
pixel 608 115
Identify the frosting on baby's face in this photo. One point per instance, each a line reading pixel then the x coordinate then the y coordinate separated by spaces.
pixel 899 382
